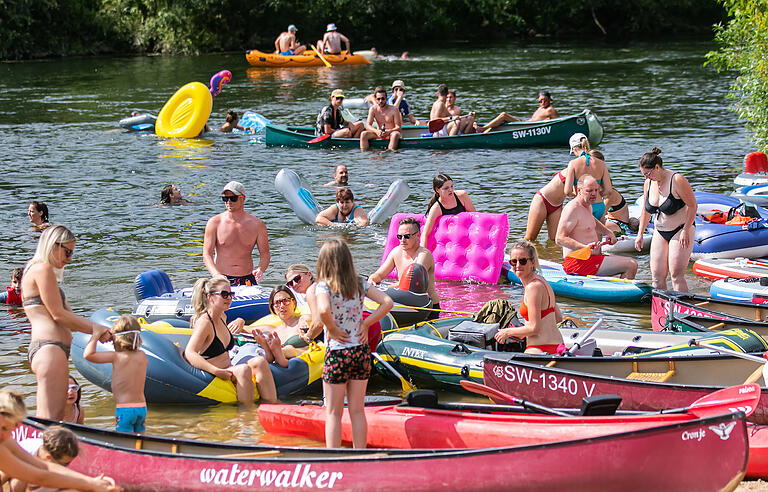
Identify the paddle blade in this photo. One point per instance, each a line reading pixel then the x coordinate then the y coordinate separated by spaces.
pixel 491 393
pixel 744 397
pixel 581 254
pixel 435 125
pixel 320 138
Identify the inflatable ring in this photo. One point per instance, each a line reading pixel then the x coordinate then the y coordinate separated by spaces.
pixel 186 112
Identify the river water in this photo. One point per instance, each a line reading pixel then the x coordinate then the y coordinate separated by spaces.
pixel 61 145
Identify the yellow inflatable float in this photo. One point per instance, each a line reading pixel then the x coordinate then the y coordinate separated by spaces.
pixel 186 112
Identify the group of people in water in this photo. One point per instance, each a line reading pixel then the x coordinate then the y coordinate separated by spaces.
pixel 387 114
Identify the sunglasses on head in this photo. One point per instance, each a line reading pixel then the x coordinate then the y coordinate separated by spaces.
pixel 404 236
pixel 67 252
pixel 295 280
pixel 281 302
pixel 226 198
pixel 523 261
pixel 225 294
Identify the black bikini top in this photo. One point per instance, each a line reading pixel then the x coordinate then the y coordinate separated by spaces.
pixel 216 348
pixel 455 210
pixel 670 206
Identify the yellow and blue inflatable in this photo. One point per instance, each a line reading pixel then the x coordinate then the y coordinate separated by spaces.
pixel 171 379
pixel 186 112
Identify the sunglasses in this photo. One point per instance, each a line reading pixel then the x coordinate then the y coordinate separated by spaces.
pixel 226 198
pixel 339 98
pixel 522 261
pixel 381 98
pixel 282 302
pixel 295 280
pixel 404 236
pixel 398 89
pixel 67 252
pixel 225 294
pixel 73 387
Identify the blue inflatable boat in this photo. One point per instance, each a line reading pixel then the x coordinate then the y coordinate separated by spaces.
pixel 596 289
pixel 714 240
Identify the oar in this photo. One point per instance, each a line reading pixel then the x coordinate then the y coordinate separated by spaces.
pixel 577 345
pixel 760 371
pixel 744 397
pixel 492 393
pixel 320 55
pixel 435 125
pixel 407 386
pixel 325 136
pixel 584 253
pixel 614 279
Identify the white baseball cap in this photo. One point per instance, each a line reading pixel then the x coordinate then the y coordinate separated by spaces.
pixel 575 140
pixel 235 187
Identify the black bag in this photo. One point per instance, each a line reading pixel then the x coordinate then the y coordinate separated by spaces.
pixel 474 334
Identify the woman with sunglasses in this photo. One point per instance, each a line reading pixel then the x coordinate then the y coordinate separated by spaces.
pixel 73 412
pixel 538 307
pixel 291 332
pixel 445 201
pixel 668 196
pixel 51 319
pixel 208 347
pixel 298 278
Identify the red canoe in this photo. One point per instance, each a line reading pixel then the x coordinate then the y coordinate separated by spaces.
pixel 696 306
pixel 702 455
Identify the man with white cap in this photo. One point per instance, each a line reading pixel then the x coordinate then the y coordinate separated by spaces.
pixel 230 238
pixel 331 42
pixel 397 99
pixel 286 43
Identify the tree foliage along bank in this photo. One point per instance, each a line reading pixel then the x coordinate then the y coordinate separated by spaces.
pixel 744 48
pixel 38 28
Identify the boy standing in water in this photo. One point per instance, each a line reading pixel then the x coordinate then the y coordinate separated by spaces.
pixel 129 371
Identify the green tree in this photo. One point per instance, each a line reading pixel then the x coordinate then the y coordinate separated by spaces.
pixel 744 49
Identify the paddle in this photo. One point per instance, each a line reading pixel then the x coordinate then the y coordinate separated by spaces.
pixel 407 386
pixel 491 393
pixel 325 136
pixel 435 125
pixel 614 279
pixel 320 55
pixel 577 345
pixel 585 252
pixel 744 397
pixel 760 371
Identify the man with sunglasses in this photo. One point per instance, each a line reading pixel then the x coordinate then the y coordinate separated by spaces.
pixel 388 121
pixel 408 252
pixel 545 111
pixel 331 120
pixel 579 231
pixel 230 238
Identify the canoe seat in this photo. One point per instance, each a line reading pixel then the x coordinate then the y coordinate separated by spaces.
pixel 657 377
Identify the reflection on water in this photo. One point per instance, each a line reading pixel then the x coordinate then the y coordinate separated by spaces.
pixel 60 146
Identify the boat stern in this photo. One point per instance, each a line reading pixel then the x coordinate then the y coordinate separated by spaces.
pixel 595 128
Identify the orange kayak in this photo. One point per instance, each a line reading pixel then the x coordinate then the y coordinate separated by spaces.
pixel 307 59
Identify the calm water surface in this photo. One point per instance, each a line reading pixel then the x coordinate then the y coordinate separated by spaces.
pixel 60 144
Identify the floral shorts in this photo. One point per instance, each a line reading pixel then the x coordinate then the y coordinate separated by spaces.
pixel 348 363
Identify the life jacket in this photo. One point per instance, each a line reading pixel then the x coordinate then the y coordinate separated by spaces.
pixel 12 298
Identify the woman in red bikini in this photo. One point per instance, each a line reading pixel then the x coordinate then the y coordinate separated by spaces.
pixel 547 205
pixel 538 307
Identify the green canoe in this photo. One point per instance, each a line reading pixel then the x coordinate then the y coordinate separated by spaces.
pixel 549 133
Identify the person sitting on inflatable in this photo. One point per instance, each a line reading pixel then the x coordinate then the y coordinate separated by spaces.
pixel 444 202
pixel 579 232
pixel 207 350
pixel 344 211
pixel 292 328
pixel 298 278
pixel 405 257
pixel 538 306
pixel 286 43
pixel 230 123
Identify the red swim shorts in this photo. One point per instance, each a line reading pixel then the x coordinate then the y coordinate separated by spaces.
pixel 589 266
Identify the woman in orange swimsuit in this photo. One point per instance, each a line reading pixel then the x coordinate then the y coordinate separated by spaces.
pixel 538 307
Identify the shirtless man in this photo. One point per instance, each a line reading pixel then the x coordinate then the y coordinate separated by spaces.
pixel 230 238
pixel 466 124
pixel 439 111
pixel 578 229
pixel 286 44
pixel 545 111
pixel 340 176
pixel 409 252
pixel 331 42
pixel 388 120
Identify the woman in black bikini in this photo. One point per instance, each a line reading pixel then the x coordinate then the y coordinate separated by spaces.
pixel 208 347
pixel 445 201
pixel 51 319
pixel 668 196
